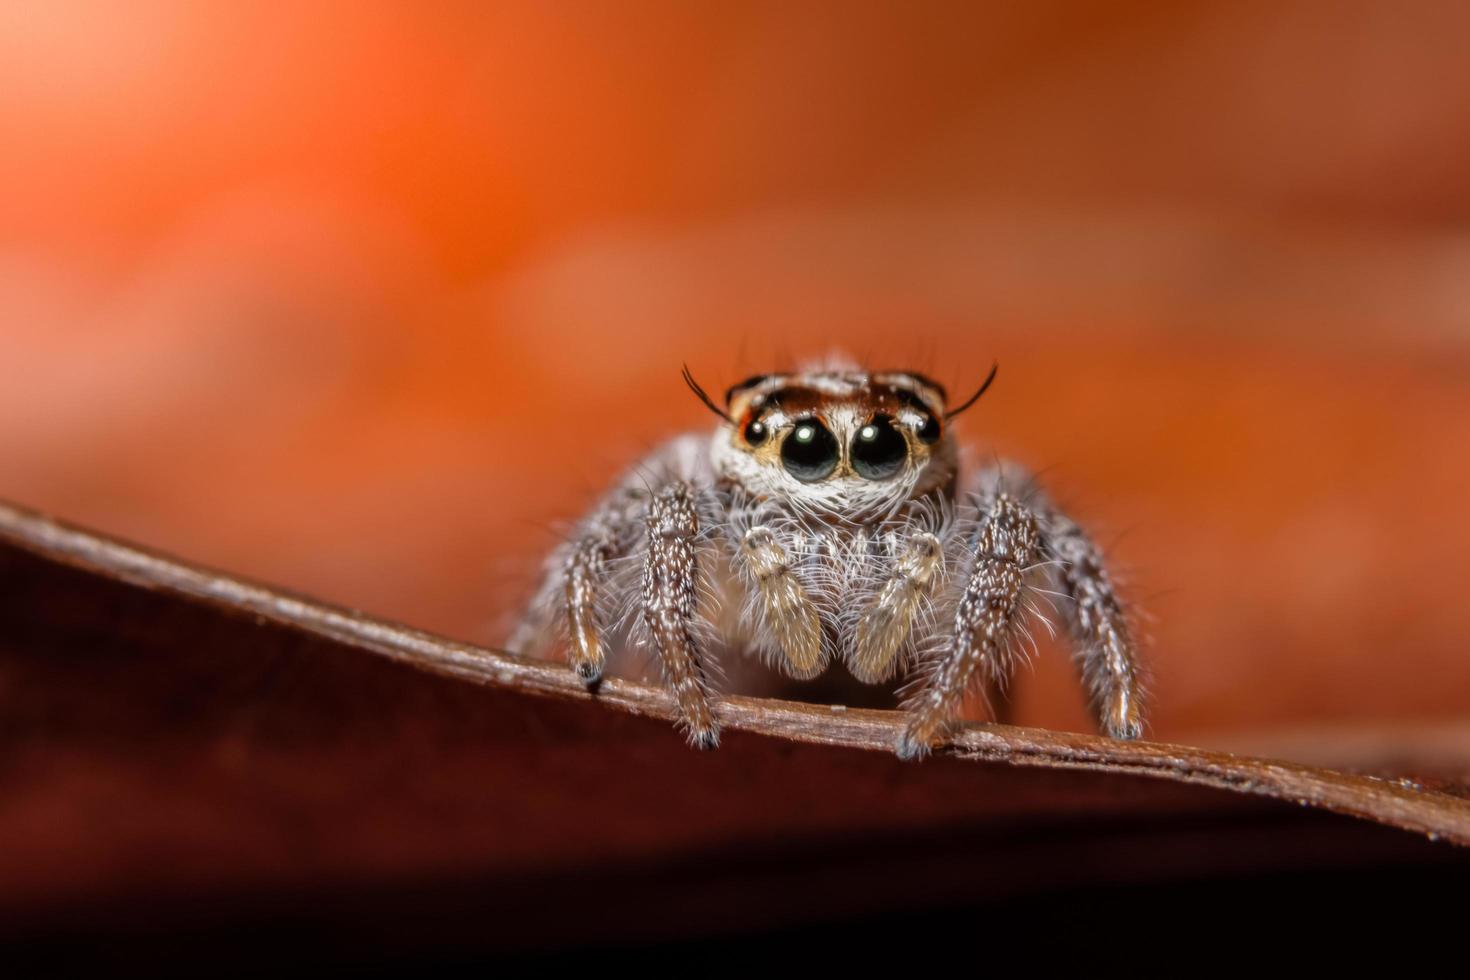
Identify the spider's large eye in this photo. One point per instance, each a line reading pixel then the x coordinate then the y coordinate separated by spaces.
pixel 810 452
pixel 878 449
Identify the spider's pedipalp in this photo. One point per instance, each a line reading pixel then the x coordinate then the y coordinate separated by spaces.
pixel 783 607
pixel 885 626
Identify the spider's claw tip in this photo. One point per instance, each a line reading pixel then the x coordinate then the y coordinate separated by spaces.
pixel 591 675
pixel 1123 719
pixel 705 739
pixel 911 749
pixel 1133 729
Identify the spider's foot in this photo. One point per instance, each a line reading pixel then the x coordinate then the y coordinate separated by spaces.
pixel 912 748
pixel 706 739
pixel 1123 719
pixel 590 672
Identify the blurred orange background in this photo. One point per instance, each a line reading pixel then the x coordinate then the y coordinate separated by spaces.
pixel 365 299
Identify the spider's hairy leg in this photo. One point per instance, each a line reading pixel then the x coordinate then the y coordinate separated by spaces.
pixel 575 591
pixel 586 567
pixel 669 606
pixel 608 533
pixel 785 607
pixel 985 623
pixel 1106 652
pixel 885 624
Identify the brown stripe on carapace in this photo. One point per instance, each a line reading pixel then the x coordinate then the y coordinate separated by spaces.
pixel 750 382
pixel 797 400
pixel 924 380
pixel 793 400
pixel 915 401
pixel 904 396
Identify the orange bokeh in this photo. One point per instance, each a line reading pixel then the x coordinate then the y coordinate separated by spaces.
pixel 365 299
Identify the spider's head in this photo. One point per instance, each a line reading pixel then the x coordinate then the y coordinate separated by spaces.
pixel 840 443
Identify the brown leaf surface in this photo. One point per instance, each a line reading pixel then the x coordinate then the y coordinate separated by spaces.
pixel 176 739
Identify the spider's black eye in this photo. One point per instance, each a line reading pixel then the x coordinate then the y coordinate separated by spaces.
pixel 810 452
pixel 929 431
pixel 755 432
pixel 878 449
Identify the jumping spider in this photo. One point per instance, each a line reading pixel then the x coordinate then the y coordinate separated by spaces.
pixel 827 518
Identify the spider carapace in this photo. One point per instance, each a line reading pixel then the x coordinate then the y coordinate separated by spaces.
pixel 828 518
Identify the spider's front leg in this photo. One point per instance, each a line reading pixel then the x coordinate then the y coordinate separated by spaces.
pixel 1003 548
pixel 669 606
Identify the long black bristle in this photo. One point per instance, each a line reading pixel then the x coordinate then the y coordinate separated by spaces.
pixel 976 396
pixel 700 393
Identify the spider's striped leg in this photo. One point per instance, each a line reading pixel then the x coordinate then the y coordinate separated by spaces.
pixel 669 607
pixel 578 591
pixel 586 569
pixel 608 533
pixel 1106 653
pixel 985 624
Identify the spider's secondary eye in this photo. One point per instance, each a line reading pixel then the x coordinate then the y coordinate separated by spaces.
pixel 929 431
pixel 878 449
pixel 809 452
pixel 755 432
